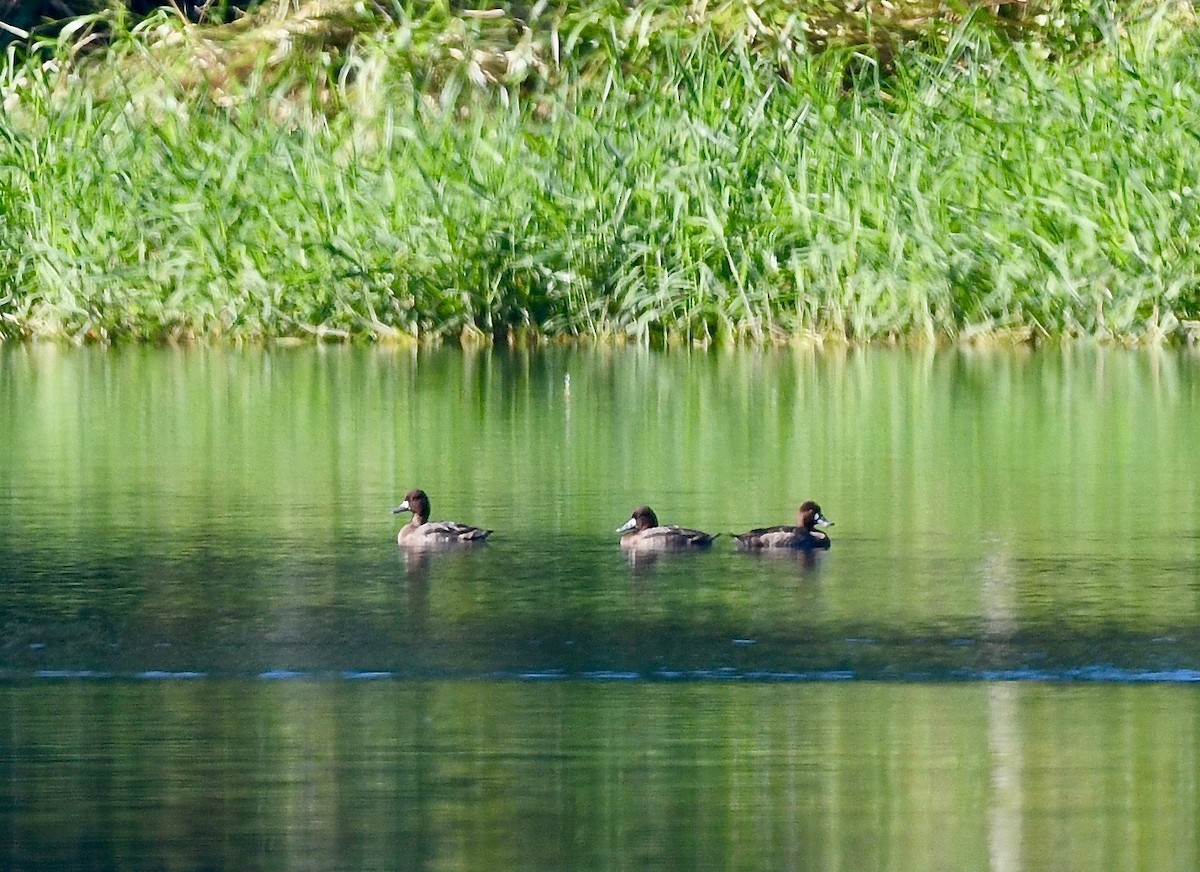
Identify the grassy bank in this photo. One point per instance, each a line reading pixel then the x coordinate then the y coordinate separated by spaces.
pixel 639 174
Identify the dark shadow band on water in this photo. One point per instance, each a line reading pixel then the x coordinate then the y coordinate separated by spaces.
pixel 1095 674
pixel 579 649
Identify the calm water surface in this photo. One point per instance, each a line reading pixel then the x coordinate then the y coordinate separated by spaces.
pixel 213 655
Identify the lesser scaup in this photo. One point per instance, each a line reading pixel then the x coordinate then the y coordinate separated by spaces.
pixel 803 537
pixel 642 532
pixel 421 532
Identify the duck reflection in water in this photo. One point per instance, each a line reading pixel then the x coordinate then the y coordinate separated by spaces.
pixel 416 563
pixel 420 532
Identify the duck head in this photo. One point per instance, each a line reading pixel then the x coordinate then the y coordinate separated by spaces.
pixel 809 516
pixel 417 502
pixel 643 518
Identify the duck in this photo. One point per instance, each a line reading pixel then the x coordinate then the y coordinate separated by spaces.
pixel 642 532
pixel 803 537
pixel 420 532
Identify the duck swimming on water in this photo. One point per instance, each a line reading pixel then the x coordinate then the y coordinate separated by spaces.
pixel 420 532
pixel 642 532
pixel 803 537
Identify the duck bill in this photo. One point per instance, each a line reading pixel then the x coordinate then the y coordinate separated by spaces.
pixel 822 521
pixel 631 524
pixel 403 507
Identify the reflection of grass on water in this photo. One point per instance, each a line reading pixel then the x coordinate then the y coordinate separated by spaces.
pixel 697 174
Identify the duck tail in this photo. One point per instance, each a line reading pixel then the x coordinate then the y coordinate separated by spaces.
pixel 745 541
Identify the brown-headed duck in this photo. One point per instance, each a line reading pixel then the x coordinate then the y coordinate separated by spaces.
pixel 803 537
pixel 642 532
pixel 420 532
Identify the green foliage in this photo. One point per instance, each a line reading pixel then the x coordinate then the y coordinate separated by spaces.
pixel 607 172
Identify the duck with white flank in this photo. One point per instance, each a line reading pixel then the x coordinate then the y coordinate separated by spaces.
pixel 642 532
pixel 421 532
pixel 803 537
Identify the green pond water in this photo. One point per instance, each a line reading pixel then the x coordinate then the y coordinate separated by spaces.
pixel 213 655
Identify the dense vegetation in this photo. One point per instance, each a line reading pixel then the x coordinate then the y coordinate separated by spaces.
pixel 705 173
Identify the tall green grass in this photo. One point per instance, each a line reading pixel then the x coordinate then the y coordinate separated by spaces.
pixel 609 173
